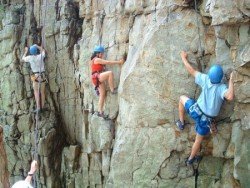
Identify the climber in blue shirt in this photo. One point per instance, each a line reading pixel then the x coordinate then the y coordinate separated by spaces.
pixel 208 104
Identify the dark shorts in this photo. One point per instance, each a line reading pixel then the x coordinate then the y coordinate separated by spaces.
pixel 202 122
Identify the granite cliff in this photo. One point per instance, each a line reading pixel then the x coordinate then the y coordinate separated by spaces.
pixel 140 145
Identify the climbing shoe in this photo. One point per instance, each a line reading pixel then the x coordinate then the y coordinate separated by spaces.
pixel 36 110
pixel 213 128
pixel 180 125
pixel 115 91
pixel 102 115
pixel 97 91
pixel 44 109
pixel 191 161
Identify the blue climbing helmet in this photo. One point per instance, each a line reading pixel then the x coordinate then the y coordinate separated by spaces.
pixel 33 50
pixel 99 49
pixel 215 74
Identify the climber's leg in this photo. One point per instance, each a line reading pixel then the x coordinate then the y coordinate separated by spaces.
pixel 43 94
pixel 36 93
pixel 182 102
pixel 196 146
pixel 108 75
pixel 101 97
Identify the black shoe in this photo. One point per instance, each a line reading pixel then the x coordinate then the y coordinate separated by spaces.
pixel 180 125
pixel 115 91
pixel 44 109
pixel 97 91
pixel 36 111
pixel 189 161
pixel 102 115
pixel 195 159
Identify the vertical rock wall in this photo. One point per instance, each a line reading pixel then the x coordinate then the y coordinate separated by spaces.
pixel 4 176
pixel 139 146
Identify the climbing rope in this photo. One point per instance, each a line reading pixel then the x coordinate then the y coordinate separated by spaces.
pixel 155 4
pixel 196 172
pixel 196 164
pixel 43 42
pixel 101 15
pixel 201 63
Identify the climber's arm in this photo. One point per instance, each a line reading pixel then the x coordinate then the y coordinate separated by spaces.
pixel 33 168
pixel 41 49
pixel 24 58
pixel 229 95
pixel 106 62
pixel 190 69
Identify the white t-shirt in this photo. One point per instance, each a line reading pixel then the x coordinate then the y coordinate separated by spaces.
pixel 22 184
pixel 35 62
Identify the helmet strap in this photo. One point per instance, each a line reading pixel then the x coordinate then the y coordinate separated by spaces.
pixel 99 54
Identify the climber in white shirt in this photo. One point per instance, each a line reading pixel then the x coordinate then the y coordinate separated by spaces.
pixel 38 72
pixel 27 182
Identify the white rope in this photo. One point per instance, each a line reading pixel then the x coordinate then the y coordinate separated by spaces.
pixel 36 182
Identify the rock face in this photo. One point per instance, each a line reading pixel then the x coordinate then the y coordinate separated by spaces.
pixel 139 145
pixel 4 176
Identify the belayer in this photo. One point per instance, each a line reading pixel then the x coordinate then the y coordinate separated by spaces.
pixel 36 61
pixel 208 105
pixel 99 76
pixel 28 180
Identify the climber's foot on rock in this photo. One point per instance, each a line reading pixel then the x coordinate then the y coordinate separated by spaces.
pixel 44 109
pixel 115 91
pixel 97 92
pixel 196 159
pixel 102 115
pixel 36 111
pixel 180 125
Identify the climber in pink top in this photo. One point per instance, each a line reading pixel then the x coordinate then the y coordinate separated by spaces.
pixel 99 76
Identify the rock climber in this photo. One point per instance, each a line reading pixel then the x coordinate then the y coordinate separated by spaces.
pixel 99 76
pixel 38 73
pixel 27 182
pixel 208 105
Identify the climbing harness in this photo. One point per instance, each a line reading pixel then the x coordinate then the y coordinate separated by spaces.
pixel 36 77
pixel 96 70
pixel 212 124
pixel 95 79
pixel 213 127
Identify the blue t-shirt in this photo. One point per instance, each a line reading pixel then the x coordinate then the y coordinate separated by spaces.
pixel 212 95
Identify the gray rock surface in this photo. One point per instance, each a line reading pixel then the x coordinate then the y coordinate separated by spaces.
pixel 139 145
pixel 4 175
